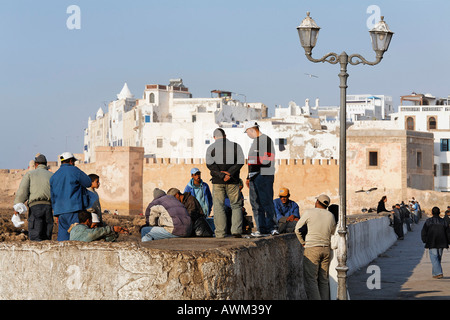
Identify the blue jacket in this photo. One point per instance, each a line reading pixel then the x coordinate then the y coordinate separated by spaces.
pixel 286 210
pixel 203 195
pixel 68 190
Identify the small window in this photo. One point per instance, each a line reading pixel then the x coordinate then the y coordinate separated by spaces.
pixel 444 145
pixel 159 143
pixel 194 118
pixel 147 119
pixel 190 143
pixel 207 142
pixel 435 170
pixel 410 123
pixel 445 169
pixel 419 159
pixel 373 159
pixel 432 123
pixel 152 98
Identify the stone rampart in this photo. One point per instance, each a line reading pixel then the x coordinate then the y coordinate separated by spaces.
pixel 186 269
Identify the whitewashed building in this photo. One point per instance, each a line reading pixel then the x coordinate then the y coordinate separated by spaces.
pixel 169 123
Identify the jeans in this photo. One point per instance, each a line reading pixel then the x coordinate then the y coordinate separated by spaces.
pixel 40 222
pixel 436 257
pixel 261 200
pixel 65 220
pixel 316 265
pixel 155 233
pixel 220 217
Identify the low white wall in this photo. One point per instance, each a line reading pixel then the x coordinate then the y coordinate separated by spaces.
pixel 367 240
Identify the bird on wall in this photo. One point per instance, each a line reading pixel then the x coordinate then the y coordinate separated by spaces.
pixel 366 191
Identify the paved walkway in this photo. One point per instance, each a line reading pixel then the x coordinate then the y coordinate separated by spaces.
pixel 405 271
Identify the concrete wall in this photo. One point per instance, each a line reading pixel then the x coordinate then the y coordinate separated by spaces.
pixel 196 269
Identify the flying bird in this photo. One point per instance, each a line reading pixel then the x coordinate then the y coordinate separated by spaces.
pixel 366 191
pixel 311 75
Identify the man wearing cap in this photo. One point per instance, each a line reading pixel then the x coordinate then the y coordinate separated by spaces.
pixel 69 194
pixel 316 258
pixel 224 160
pixel 200 190
pixel 287 211
pixel 35 188
pixel 261 175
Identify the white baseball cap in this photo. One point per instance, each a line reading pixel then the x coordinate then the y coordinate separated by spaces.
pixel 250 124
pixel 66 156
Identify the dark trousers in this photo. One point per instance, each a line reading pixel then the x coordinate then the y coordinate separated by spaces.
pixel 261 200
pixel 40 222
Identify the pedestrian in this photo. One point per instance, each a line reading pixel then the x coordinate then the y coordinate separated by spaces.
pixel 407 215
pixel 96 210
pixel 287 211
pixel 69 194
pixel 200 190
pixel 436 236
pixel 415 211
pixel 317 243
pixel 398 221
pixel 165 217
pixel 82 231
pixel 224 160
pixel 35 189
pixel 260 179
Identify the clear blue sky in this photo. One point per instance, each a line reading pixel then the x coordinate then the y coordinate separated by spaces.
pixel 52 78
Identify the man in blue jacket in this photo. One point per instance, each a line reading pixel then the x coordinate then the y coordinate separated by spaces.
pixel 69 194
pixel 200 190
pixel 287 211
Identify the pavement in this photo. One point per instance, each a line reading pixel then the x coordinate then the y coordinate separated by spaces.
pixel 403 273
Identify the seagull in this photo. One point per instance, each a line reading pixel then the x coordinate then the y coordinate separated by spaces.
pixel 366 191
pixel 311 75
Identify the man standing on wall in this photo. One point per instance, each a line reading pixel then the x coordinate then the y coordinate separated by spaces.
pixel 69 194
pixel 35 188
pixel 316 257
pixel 261 174
pixel 225 159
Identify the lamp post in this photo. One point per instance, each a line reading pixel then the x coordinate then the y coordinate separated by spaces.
pixel 381 37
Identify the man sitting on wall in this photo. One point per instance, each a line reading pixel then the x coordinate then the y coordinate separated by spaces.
pixel 287 211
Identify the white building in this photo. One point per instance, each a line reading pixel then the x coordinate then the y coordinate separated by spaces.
pixel 169 123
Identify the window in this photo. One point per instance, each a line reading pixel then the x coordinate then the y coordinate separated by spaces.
pixel 159 143
pixel 194 118
pixel 373 159
pixel 147 119
pixel 445 169
pixel 207 142
pixel 152 98
pixel 432 123
pixel 444 145
pixel 419 159
pixel 434 170
pixel 410 123
pixel 190 143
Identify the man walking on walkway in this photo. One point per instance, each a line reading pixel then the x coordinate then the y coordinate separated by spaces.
pixel 436 236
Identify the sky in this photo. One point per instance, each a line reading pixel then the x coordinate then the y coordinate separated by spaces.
pixel 53 77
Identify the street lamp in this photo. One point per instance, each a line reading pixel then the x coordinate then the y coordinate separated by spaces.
pixel 381 37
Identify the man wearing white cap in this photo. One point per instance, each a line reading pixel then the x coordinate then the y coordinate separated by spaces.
pixel 69 194
pixel 261 174
pixel 320 225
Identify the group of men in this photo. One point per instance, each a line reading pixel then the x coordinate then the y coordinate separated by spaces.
pixel 68 195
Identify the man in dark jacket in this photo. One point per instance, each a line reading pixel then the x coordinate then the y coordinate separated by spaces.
pixel 225 159
pixel 436 236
